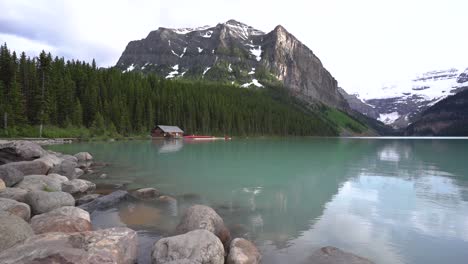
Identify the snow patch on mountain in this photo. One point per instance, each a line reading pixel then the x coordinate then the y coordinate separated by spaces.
pixel 254 82
pixel 206 70
pixel 199 49
pixel 389 118
pixel 183 31
pixel 173 73
pixel 130 68
pixel 207 34
pixel 257 52
pixel 252 71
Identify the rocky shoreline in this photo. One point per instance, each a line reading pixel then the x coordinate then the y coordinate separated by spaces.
pixel 45 218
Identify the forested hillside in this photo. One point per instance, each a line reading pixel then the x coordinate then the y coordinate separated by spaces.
pixel 74 98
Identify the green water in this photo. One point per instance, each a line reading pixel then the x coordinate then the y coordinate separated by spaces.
pixel 390 200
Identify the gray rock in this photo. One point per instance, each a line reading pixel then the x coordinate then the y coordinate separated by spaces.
pixel 10 175
pixel 13 230
pixel 83 156
pixel 51 160
pixel 68 157
pixel 333 255
pixel 65 219
pixel 106 201
pixel 146 193
pixel 35 167
pixel 43 202
pixel 19 209
pixel 78 186
pixel 204 217
pixel 20 150
pixel 87 199
pixel 58 177
pixel 40 183
pixel 66 168
pixel 16 194
pixel 114 245
pixel 197 247
pixel 243 251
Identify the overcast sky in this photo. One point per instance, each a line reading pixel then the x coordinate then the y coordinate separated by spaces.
pixel 363 43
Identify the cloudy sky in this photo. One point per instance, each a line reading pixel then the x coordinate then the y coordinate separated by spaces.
pixel 363 43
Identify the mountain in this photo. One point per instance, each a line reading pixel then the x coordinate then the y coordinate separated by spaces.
pixel 449 117
pixel 400 104
pixel 238 54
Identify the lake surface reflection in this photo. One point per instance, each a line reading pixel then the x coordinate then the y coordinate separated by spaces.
pixel 392 200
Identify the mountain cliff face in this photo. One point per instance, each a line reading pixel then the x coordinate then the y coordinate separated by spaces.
pixel 448 117
pixel 238 54
pixel 401 103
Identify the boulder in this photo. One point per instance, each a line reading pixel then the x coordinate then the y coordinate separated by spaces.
pixel 146 193
pixel 114 245
pixel 13 229
pixel 66 168
pixel 78 186
pixel 68 157
pixel 16 208
pixel 83 156
pixel 65 219
pixel 16 194
pixel 106 201
pixel 40 183
pixel 37 167
pixel 195 247
pixel 243 251
pixel 333 255
pixel 204 217
pixel 20 150
pixel 58 177
pixel 78 172
pixel 2 185
pixel 51 159
pixel 10 176
pixel 43 202
pixel 87 199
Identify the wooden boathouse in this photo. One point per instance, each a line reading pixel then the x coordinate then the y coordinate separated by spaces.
pixel 161 131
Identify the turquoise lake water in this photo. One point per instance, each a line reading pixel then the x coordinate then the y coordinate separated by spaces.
pixel 390 200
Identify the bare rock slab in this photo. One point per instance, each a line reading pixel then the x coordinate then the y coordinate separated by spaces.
pixel 13 230
pixel 43 202
pixel 113 245
pixel 16 208
pixel 243 251
pixel 195 247
pixel 333 255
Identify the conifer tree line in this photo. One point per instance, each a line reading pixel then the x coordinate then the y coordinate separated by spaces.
pixel 74 94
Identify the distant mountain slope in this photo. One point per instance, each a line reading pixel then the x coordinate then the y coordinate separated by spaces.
pixel 449 117
pixel 238 54
pixel 399 104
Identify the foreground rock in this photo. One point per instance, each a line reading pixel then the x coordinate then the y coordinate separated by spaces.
pixel 2 185
pixel 332 255
pixel 106 201
pixel 20 150
pixel 37 167
pixel 65 219
pixel 16 208
pixel 43 202
pixel 78 186
pixel 195 247
pixel 13 230
pixel 16 194
pixel 204 217
pixel 83 156
pixel 146 193
pixel 87 199
pixel 40 183
pixel 10 176
pixel 243 251
pixel 114 245
pixel 68 168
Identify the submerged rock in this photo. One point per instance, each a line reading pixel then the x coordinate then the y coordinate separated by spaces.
pixel 13 230
pixel 20 150
pixel 113 245
pixel 65 219
pixel 40 183
pixel 195 247
pixel 78 186
pixel 43 202
pixel 243 251
pixel 16 194
pixel 146 193
pixel 204 217
pixel 16 208
pixel 333 255
pixel 107 201
pixel 10 176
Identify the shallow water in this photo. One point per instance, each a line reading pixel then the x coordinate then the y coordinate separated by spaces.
pixel 390 200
